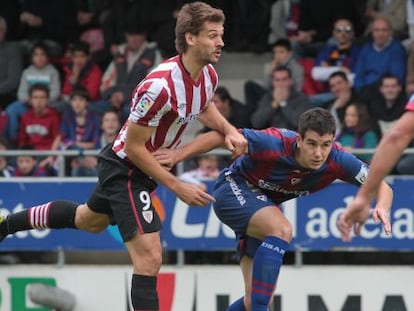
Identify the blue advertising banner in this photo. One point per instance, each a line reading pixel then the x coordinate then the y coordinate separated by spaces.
pixel 313 219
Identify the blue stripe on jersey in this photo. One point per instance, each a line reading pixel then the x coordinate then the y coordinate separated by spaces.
pixel 271 165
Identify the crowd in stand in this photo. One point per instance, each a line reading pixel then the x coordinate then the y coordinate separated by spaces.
pixel 68 69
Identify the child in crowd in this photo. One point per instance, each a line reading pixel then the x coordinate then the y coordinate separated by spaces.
pixel 39 127
pixel 110 126
pixel 80 130
pixel 39 72
pixel 5 169
pixel 207 169
pixel 27 166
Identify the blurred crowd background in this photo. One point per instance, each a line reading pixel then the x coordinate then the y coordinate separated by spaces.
pixel 68 68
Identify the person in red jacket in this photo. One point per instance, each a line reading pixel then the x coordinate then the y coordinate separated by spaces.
pixel 39 127
pixel 81 71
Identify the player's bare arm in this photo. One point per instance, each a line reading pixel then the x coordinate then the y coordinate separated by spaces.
pixel 201 144
pixel 388 153
pixel 137 152
pixel 213 119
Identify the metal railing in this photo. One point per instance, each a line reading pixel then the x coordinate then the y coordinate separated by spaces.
pixel 61 154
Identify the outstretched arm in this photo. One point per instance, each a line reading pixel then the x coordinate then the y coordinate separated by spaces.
pixel 358 211
pixel 201 144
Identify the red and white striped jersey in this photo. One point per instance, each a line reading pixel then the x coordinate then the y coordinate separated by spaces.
pixel 168 99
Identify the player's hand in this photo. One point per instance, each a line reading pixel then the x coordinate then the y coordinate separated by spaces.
pixel 381 214
pixel 166 157
pixel 193 195
pixel 354 217
pixel 236 143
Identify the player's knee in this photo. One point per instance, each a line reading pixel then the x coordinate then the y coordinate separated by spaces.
pixel 285 231
pixel 86 220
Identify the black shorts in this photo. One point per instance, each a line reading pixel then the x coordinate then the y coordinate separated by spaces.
pixel 123 193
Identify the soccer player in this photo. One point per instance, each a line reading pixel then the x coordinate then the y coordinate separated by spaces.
pixel 279 165
pixel 388 152
pixel 174 94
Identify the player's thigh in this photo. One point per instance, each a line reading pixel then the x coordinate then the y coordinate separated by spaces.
pixel 237 202
pixel 269 220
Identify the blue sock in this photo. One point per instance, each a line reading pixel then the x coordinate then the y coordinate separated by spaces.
pixel 266 265
pixel 238 305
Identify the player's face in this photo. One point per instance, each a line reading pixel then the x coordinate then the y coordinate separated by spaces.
pixel 209 42
pixel 314 149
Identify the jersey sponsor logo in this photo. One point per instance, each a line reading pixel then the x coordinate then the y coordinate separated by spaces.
pixel 187 119
pixel 144 104
pixel 276 188
pixel 148 216
pixel 295 181
pixel 362 175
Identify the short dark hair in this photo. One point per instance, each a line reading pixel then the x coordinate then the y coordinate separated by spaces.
pixel 317 119
pixel 283 68
pixel 283 42
pixel 223 93
pixel 191 19
pixel 80 91
pixel 39 87
pixel 80 46
pixel 338 73
pixel 40 45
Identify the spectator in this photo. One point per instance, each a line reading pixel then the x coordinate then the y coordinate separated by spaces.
pixel 132 62
pixel 110 125
pixel 386 101
pixel 341 54
pixel 48 20
pixel 282 106
pixel 6 170
pixel 11 65
pixel 27 166
pixel 81 71
pixel 39 72
pixel 383 54
pixel 207 169
pixel 39 126
pixel 284 20
pixel 358 130
pixel 234 111
pixel 395 11
pixel 80 130
pixel 316 22
pixel 282 56
pixel 341 88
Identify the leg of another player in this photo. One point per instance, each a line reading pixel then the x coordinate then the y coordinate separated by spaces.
pixel 274 230
pixel 146 254
pixel 54 215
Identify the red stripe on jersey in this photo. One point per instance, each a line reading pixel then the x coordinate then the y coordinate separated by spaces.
pixel 213 75
pixel 410 106
pixel 203 95
pixel 161 132
pixel 132 201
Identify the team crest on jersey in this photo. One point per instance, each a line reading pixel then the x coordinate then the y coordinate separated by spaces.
pixel 262 197
pixel 144 104
pixel 295 181
pixel 148 216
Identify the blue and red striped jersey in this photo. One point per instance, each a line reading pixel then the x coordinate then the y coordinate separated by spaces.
pixel 271 166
